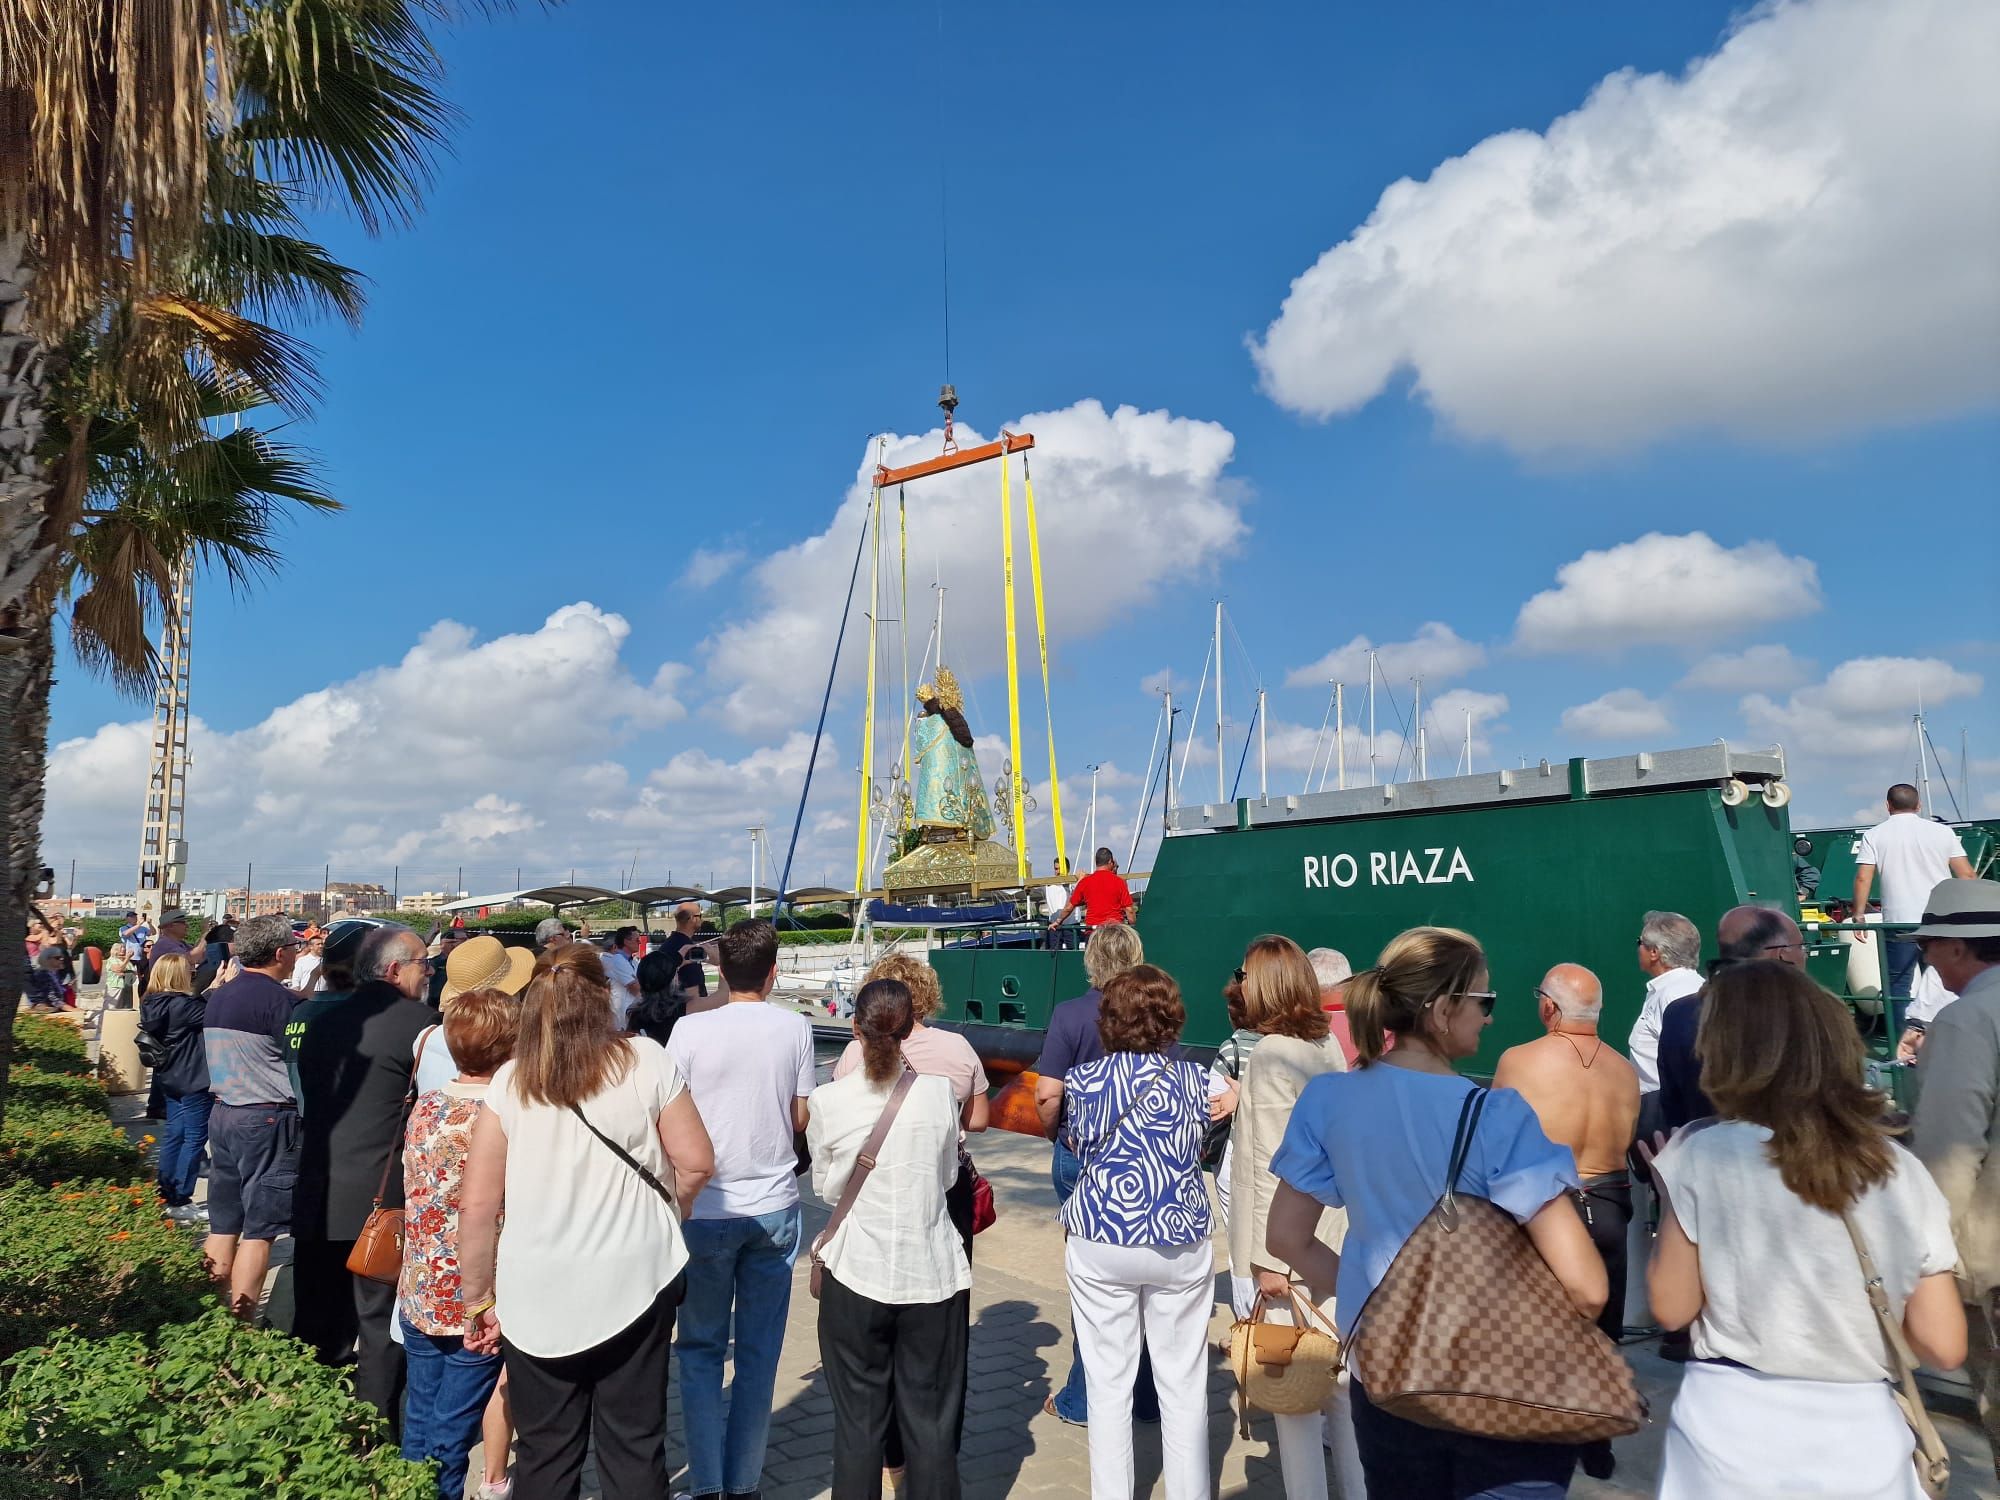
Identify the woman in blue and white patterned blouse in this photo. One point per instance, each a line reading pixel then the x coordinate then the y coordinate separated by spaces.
pixel 1138 1251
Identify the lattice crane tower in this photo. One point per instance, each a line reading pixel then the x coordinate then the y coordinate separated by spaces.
pixel 162 843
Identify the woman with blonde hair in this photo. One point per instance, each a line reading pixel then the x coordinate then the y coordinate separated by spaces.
pixel 578 1292
pixel 1377 1141
pixel 1789 1372
pixel 172 1014
pixel 1276 996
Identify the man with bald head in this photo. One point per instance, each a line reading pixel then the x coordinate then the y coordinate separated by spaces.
pixel 1586 1096
pixel 1743 934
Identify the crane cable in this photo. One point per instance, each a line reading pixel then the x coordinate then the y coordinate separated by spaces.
pixel 1042 642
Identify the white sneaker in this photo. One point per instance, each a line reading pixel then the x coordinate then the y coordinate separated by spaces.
pixel 488 1490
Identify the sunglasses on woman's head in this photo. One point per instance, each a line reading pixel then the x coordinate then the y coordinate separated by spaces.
pixel 1487 999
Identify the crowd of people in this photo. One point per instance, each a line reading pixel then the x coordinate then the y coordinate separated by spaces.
pixel 598 1167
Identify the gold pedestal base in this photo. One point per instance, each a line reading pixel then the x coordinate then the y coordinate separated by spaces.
pixel 949 868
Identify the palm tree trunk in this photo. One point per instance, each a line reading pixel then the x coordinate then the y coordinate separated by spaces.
pixel 26 629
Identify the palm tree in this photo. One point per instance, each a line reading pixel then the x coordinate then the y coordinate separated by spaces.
pixel 152 153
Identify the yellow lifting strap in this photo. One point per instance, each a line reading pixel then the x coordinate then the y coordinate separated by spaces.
pixel 1015 768
pixel 1042 641
pixel 868 712
pixel 903 630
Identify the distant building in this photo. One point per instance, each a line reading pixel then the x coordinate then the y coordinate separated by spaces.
pixel 427 900
pixel 116 904
pixel 352 897
pixel 280 903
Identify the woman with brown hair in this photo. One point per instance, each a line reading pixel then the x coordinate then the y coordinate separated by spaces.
pixel 1138 1257
pixel 1789 1371
pixel 581 1131
pixel 896 1294
pixel 449 1386
pixel 1377 1141
pixel 1276 995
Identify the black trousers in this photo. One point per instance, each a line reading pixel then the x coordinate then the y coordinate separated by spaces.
pixel 894 1366
pixel 958 1208
pixel 346 1319
pixel 615 1393
pixel 1605 1206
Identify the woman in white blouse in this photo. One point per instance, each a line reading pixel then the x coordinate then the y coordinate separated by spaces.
pixel 1276 994
pixel 896 1295
pixel 1790 1372
pixel 581 1132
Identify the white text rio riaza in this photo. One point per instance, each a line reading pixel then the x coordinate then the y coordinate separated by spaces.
pixel 1387 867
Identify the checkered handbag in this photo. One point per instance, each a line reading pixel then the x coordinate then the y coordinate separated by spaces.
pixel 1470 1331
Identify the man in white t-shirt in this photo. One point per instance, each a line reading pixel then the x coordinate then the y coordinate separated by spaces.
pixel 1912 854
pixel 749 1065
pixel 621 967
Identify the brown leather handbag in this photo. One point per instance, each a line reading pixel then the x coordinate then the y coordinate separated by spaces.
pixel 1469 1330
pixel 378 1249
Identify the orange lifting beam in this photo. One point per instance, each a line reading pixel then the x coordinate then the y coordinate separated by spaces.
pixel 1010 442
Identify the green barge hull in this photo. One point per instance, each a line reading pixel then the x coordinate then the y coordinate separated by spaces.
pixel 1548 864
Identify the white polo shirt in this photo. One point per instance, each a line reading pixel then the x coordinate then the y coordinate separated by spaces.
pixel 1911 854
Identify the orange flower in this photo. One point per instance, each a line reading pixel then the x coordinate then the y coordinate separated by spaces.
pixel 147 1140
pixel 123 1234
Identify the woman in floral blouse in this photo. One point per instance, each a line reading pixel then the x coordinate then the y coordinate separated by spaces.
pixel 448 1384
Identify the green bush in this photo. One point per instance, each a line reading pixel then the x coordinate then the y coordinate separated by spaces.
pixel 207 1410
pixel 51 1045
pixel 50 1137
pixel 97 1257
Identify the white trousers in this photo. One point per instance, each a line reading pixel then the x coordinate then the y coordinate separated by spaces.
pixel 1304 1441
pixel 1115 1292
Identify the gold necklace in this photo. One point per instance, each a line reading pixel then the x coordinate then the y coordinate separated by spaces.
pixel 1579 1051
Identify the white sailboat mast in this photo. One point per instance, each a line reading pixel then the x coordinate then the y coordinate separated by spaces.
pixel 1340 734
pixel 1221 773
pixel 1371 718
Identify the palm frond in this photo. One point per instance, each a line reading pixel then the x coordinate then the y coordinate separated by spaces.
pixel 238 264
pixel 106 107
pixel 234 345
pixel 339 98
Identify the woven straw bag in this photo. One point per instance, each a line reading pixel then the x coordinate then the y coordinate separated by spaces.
pixel 1288 1369
pixel 1470 1331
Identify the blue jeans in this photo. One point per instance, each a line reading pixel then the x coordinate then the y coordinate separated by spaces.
pixel 182 1140
pixel 1072 1403
pixel 739 1273
pixel 1903 955
pixel 443 1402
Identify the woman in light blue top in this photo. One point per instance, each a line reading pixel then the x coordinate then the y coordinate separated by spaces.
pixel 1137 1252
pixel 1377 1142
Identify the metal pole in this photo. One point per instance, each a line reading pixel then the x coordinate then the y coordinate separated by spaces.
pixel 72 889
pixel 1167 802
pixel 1420 763
pixel 1371 718
pixel 1468 742
pixel 1263 756
pixel 1221 791
pixel 396 889
pixel 458 888
pixel 1964 775
pixel 1339 733
pixel 753 872
pixel 325 878
pixel 249 888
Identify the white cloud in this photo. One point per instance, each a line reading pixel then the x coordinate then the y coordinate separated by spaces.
pixel 1622 714
pixel 464 750
pixel 1862 709
pixel 1127 501
pixel 1666 590
pixel 1793 238
pixel 1437 654
pixel 710 565
pixel 1766 668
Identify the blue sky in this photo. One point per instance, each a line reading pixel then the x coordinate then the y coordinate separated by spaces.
pixel 681 265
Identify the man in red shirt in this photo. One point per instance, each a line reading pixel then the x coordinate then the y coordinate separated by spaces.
pixel 1103 895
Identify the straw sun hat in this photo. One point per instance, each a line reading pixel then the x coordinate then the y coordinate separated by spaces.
pixel 484 962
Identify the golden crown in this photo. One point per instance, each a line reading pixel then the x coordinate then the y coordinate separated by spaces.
pixel 944 691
